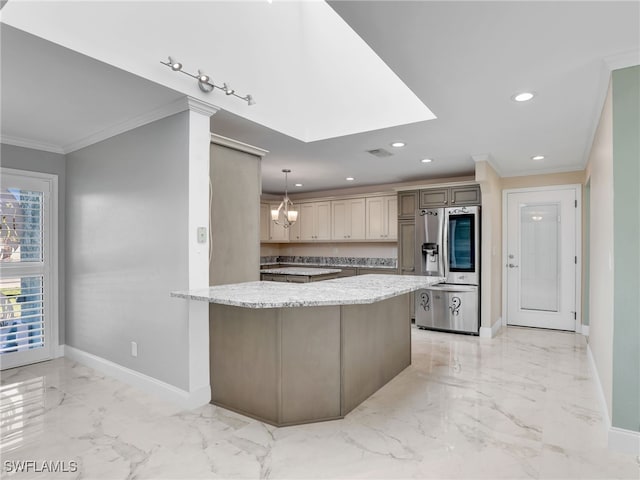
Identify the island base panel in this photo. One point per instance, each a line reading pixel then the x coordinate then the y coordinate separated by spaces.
pixel 281 366
pixel 288 366
pixel 376 347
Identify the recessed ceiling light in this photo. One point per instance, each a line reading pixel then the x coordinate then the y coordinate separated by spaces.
pixel 398 144
pixel 298 184
pixel 349 179
pixel 536 218
pixel 522 97
pixel 426 160
pixel 537 157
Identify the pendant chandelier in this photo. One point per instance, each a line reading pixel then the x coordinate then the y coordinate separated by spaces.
pixel 285 215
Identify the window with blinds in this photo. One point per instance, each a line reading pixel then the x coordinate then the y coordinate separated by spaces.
pixel 23 268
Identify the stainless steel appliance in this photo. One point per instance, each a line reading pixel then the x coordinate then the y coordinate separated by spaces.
pixel 448 245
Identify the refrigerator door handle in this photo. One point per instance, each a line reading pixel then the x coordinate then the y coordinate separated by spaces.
pixel 444 241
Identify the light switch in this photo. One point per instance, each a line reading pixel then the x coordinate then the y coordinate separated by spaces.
pixel 202 234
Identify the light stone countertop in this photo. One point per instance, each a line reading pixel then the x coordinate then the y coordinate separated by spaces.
pixel 355 290
pixel 306 271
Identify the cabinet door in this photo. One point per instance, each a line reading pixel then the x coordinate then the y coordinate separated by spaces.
pixel 434 197
pixel 277 233
pixel 294 230
pixel 391 213
pixel 407 204
pixel 465 195
pixel 339 220
pixel 382 214
pixel 323 221
pixel 357 219
pixel 306 220
pixel 265 218
pixel 406 247
pixel 375 218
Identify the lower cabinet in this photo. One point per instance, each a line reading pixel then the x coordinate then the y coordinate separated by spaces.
pixel 406 247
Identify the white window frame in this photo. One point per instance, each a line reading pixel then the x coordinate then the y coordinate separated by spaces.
pixel 51 253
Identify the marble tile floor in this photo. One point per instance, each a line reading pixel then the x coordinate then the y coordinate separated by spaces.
pixel 521 405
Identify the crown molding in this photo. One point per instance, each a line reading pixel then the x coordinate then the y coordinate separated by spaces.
pixel 167 110
pixel 197 105
pixel 486 157
pixel 236 145
pixel 623 60
pixel 546 171
pixel 30 143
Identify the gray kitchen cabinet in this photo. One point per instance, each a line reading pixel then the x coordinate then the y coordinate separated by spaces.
pixel 450 196
pixel 407 204
pixel 406 247
pixel 465 195
pixel 274 277
pixel 406 254
pixel 374 270
pixel 434 197
pixel 347 272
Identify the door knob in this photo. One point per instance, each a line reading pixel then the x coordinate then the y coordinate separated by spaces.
pixel 511 265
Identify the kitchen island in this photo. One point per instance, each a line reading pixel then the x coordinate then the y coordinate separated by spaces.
pixel 296 353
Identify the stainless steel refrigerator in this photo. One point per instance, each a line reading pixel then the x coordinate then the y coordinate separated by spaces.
pixel 448 245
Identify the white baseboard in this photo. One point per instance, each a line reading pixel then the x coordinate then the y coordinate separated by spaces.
pixel 153 386
pixel 603 402
pixel 619 439
pixel 492 331
pixel 625 441
pixel 58 351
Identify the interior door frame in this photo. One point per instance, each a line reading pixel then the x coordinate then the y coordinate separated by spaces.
pixel 577 187
pixel 54 291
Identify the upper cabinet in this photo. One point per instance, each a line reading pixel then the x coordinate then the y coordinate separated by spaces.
pixel 382 218
pixel 315 221
pixel 407 204
pixel 277 233
pixel 348 219
pixel 465 195
pixel 265 218
pixel 450 196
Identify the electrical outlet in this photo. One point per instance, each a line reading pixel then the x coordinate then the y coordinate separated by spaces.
pixel 134 349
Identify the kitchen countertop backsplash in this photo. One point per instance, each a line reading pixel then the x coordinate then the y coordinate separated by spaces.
pixel 374 262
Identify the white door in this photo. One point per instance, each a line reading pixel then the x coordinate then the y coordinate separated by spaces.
pixel 26 300
pixel 541 257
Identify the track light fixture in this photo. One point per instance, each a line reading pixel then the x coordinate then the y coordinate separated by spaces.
pixel 205 83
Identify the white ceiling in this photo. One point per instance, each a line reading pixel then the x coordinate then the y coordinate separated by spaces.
pixel 462 59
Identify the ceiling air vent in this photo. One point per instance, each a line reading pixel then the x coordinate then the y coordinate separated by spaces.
pixel 380 152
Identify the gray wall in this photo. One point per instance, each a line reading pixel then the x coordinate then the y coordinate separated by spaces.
pixel 54 163
pixel 626 232
pixel 235 218
pixel 127 208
